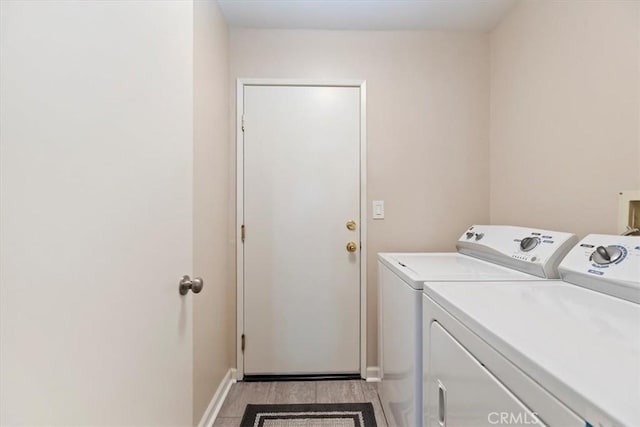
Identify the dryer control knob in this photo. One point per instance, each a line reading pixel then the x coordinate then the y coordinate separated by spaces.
pixel 479 236
pixel 528 243
pixel 470 234
pixel 607 255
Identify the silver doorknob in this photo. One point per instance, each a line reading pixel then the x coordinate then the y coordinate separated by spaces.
pixel 186 283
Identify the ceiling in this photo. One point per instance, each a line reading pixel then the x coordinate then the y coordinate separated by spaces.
pixel 444 15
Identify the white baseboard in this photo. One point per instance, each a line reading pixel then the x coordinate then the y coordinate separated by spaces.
pixel 236 375
pixel 373 374
pixel 211 413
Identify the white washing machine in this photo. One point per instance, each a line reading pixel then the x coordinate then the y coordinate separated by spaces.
pixel 548 353
pixel 485 253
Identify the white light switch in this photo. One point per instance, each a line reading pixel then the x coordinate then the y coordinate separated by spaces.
pixel 378 209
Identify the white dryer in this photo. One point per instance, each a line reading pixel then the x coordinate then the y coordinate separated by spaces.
pixel 555 353
pixel 485 253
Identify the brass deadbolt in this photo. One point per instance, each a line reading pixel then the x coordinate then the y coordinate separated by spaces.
pixel 351 225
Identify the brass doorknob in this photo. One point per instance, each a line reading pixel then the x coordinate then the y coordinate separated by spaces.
pixel 351 247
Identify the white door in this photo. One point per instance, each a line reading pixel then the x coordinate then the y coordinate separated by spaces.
pixel 301 187
pixel 96 213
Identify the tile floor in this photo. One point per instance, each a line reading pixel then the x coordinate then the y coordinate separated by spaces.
pixel 296 392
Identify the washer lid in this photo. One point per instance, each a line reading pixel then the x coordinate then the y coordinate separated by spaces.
pixel 581 345
pixel 416 268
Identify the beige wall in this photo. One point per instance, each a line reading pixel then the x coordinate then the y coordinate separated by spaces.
pixel 427 126
pixel 212 311
pixel 565 99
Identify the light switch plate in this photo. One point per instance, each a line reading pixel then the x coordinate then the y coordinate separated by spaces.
pixel 378 209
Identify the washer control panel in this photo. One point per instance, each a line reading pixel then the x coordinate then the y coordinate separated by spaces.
pixel 540 245
pixel 533 251
pixel 607 263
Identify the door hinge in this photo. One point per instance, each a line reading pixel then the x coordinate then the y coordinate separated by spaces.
pixel 243 123
pixel 242 233
pixel 242 343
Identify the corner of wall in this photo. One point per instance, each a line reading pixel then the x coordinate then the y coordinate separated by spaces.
pixel 212 313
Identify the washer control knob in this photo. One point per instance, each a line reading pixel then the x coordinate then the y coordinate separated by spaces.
pixel 528 243
pixel 479 236
pixel 607 255
pixel 470 234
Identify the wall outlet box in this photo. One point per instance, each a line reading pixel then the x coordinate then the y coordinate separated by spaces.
pixel 628 210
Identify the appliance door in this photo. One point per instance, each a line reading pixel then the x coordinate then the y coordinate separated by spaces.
pixel 463 393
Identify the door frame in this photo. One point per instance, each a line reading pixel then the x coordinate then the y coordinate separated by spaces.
pixel 241 83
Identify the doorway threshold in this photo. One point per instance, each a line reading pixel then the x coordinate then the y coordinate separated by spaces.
pixel 302 377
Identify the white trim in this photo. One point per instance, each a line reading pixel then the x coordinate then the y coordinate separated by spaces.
pixel 239 222
pixel 235 375
pixel 361 84
pixel 363 229
pixel 373 374
pixel 209 416
pixel 301 82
